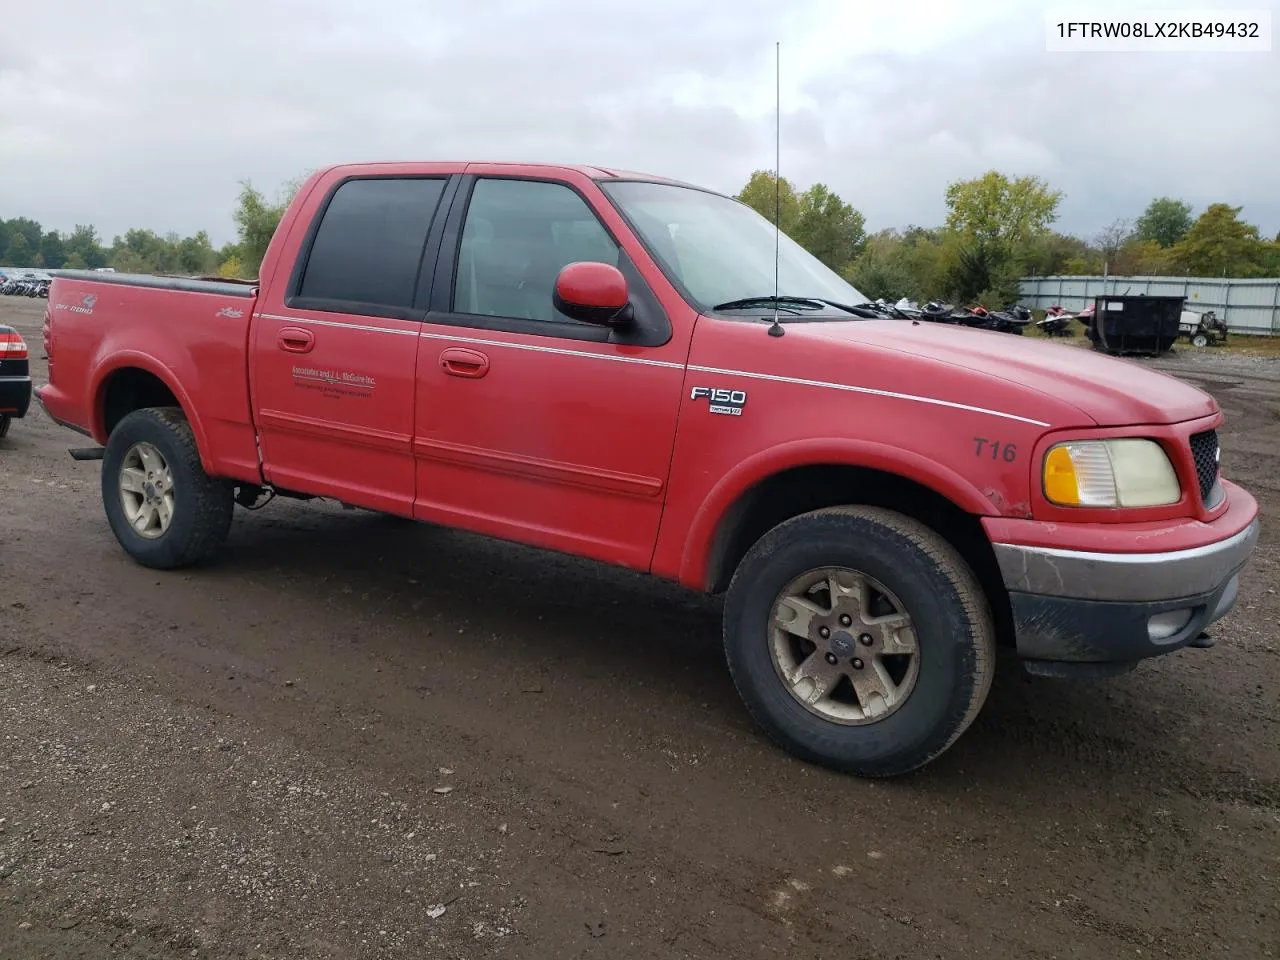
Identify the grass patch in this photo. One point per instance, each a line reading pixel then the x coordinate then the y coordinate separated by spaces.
pixel 1237 343
pixel 1249 345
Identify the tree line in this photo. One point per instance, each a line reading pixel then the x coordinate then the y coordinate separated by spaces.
pixel 25 243
pixel 997 229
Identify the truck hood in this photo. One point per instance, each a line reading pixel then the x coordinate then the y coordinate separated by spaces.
pixel 1111 391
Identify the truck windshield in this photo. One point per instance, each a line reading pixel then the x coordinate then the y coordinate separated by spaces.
pixel 721 251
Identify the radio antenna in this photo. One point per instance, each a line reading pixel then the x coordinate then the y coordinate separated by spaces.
pixel 775 329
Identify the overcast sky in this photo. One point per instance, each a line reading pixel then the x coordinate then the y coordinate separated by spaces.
pixel 148 112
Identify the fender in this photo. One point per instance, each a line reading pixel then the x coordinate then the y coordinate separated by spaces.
pixel 142 361
pixel 817 452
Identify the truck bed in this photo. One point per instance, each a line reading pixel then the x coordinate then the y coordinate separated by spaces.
pixel 112 336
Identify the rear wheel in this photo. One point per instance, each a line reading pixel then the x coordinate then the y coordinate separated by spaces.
pixel 161 505
pixel 4 425
pixel 859 639
pixel 1200 340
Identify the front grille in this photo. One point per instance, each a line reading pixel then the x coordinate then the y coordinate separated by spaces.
pixel 1204 450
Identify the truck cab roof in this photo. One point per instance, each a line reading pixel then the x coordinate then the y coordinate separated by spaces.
pixel 512 168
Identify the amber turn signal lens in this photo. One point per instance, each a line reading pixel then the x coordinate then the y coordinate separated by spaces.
pixel 1060 484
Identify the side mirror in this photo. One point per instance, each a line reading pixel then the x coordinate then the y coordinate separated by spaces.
pixel 593 292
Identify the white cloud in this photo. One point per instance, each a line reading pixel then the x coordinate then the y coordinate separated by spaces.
pixel 149 113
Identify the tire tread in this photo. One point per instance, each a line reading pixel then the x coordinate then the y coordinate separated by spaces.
pixel 208 499
pixel 948 563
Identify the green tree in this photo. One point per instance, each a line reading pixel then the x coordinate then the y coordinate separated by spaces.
pixel 761 195
pixel 126 260
pixel 1141 258
pixel 256 222
pixel 1219 244
pixel 197 256
pixel 995 222
pixel 828 227
pixel 882 279
pixel 84 244
pixel 52 250
pixel 145 251
pixel 231 268
pixel 896 264
pixel 19 253
pixel 1165 221
pixel 881 269
pixel 75 262
pixel 980 272
pixel 30 229
pixel 1000 212
pixel 1053 253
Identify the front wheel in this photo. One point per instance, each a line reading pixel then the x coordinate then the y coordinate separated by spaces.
pixel 1200 340
pixel 161 505
pixel 859 639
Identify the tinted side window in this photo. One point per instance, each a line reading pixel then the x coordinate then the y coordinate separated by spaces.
pixel 517 237
pixel 369 244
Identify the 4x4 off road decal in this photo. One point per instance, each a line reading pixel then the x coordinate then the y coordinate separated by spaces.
pixel 85 305
pixel 720 400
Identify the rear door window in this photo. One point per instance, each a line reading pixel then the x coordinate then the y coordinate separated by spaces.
pixel 368 248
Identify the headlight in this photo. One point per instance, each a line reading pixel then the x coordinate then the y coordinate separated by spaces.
pixel 1110 473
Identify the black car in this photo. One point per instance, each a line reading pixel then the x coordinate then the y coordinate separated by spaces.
pixel 15 378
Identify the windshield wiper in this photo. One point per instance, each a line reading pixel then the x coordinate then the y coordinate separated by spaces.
pixel 781 303
pixel 807 303
pixel 863 309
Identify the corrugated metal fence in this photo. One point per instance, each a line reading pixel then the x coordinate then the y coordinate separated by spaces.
pixel 1248 306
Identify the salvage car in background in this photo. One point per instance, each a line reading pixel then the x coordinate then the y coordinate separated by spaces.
pixel 15 378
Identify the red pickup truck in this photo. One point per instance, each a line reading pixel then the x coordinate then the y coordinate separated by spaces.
pixel 603 363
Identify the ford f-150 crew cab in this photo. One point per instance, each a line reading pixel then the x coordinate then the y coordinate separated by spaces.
pixel 602 363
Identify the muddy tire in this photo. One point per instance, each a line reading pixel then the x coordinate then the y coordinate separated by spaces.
pixel 161 505
pixel 859 639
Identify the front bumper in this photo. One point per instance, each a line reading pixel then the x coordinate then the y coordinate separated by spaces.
pixel 1084 607
pixel 15 396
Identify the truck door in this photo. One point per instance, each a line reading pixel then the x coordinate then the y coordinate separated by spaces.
pixel 532 426
pixel 336 342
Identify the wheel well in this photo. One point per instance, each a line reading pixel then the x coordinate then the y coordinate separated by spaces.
pixel 131 389
pixel 802 489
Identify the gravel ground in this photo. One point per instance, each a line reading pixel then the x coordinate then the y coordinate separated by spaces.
pixel 353 737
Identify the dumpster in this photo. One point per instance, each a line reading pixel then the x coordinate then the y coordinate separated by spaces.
pixel 1137 324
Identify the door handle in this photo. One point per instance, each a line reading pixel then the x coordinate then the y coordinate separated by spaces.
pixel 457 362
pixel 295 340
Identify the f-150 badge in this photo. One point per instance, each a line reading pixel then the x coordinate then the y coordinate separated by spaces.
pixel 720 400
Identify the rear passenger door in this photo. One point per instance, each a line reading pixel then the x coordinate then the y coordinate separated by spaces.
pixel 335 346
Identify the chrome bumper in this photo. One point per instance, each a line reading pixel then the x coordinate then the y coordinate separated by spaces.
pixel 1124 577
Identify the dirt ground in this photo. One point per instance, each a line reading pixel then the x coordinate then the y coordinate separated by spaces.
pixel 354 737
